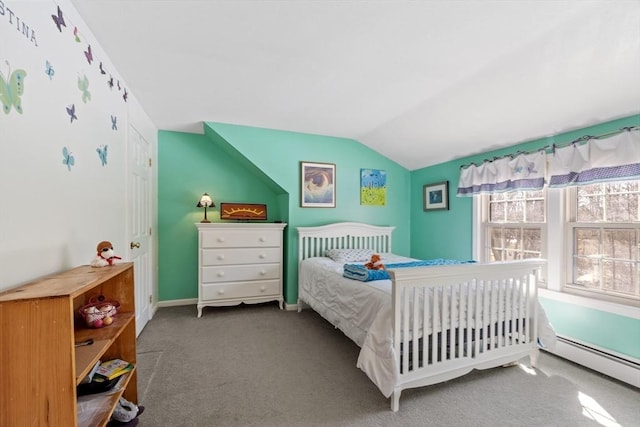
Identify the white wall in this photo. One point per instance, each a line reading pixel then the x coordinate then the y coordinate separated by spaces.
pixel 51 218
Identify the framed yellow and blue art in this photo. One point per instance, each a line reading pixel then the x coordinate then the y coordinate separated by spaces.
pixel 373 187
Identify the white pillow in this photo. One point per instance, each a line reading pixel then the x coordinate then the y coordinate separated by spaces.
pixel 349 255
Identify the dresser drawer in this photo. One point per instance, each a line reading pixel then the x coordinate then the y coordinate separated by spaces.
pixel 241 238
pixel 240 256
pixel 240 290
pixel 237 273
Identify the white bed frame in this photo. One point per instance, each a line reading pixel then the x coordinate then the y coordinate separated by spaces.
pixel 506 298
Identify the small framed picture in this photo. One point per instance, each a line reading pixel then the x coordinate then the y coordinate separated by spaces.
pixel 436 196
pixel 243 211
pixel 317 185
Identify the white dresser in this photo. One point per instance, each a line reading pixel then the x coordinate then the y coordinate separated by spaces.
pixel 239 262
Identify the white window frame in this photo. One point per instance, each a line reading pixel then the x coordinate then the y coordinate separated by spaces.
pixel 571 224
pixel 559 205
pixel 481 222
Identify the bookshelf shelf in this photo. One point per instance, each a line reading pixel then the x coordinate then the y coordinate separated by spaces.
pixel 95 409
pixel 40 364
pixel 88 356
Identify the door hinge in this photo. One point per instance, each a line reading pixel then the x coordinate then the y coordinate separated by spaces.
pixel 149 231
pixel 149 161
pixel 150 299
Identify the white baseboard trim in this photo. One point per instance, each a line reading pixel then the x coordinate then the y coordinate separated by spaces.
pixel 625 372
pixel 177 302
pixel 290 307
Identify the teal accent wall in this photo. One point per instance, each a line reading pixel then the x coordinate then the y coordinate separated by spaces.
pixel 242 164
pixel 448 234
pixel 189 165
pixel 612 331
pixel 441 233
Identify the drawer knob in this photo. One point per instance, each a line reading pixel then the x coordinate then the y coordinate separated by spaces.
pixel 262 288
pixel 221 239
pixel 221 257
pixel 221 292
pixel 220 273
pixel 262 272
pixel 262 239
pixel 262 256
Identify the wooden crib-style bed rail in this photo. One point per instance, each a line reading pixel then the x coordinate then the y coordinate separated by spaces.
pixel 449 320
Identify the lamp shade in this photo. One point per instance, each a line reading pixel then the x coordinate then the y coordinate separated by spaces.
pixel 205 201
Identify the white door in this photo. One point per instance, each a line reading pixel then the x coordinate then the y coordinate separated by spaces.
pixel 139 163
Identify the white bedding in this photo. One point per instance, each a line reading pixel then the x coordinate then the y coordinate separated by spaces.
pixel 363 312
pixel 349 305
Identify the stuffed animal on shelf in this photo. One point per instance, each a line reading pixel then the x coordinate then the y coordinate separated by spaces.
pixel 105 255
pixel 375 263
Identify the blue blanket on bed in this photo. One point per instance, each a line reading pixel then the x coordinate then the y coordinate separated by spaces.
pixel 360 272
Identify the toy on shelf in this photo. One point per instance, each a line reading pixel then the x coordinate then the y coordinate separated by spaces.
pixel 105 255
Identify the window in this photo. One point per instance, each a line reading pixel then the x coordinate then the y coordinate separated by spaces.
pixel 605 234
pixel 591 238
pixel 588 232
pixel 514 225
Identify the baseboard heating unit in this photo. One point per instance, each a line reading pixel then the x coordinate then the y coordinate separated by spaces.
pixel 620 367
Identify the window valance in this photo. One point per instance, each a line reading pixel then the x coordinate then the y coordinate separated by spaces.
pixel 600 159
pixel 524 172
pixel 616 158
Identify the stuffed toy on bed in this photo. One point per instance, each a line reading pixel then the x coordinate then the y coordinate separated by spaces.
pixel 375 263
pixel 105 255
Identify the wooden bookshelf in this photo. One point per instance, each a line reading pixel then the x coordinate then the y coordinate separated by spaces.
pixel 40 365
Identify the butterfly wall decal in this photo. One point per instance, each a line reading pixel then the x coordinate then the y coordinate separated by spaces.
pixel 67 158
pixel 71 110
pixel 125 95
pixel 59 20
pixel 102 154
pixel 11 90
pixel 75 33
pixel 110 82
pixel 49 71
pixel 83 85
pixel 114 123
pixel 88 54
pixel 102 71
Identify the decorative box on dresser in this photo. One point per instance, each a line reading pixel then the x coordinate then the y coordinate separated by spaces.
pixel 239 262
pixel 40 365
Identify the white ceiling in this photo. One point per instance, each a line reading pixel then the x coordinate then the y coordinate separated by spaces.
pixel 421 82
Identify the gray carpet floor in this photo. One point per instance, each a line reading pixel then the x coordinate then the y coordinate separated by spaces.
pixel 255 365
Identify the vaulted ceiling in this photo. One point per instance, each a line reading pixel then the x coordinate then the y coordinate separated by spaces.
pixel 421 82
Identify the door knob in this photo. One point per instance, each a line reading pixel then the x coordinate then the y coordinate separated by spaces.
pixel 134 245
